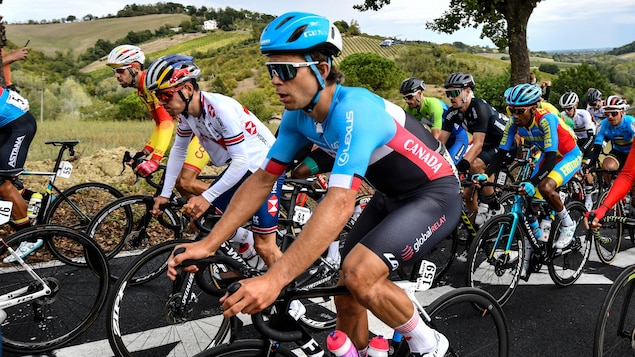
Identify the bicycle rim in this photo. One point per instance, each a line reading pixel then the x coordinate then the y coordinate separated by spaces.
pixel 615 326
pixel 81 204
pixel 125 228
pixel 566 268
pixel 148 319
pixel 608 244
pixel 78 291
pixel 247 348
pixel 470 332
pixel 490 266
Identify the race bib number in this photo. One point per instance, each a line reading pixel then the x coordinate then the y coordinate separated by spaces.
pixel 18 101
pixel 65 169
pixel 426 275
pixel 301 215
pixel 5 211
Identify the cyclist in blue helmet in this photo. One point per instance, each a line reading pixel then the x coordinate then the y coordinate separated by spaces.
pixel 417 202
pixel 560 160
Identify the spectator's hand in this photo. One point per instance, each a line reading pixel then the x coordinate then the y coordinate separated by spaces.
pixel 20 54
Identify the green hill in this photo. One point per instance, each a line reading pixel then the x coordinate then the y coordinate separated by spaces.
pixel 79 36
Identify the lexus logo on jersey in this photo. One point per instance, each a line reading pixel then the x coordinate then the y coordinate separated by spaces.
pixel 250 127
pixel 272 206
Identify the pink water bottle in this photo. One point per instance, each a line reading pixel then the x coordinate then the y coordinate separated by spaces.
pixel 378 347
pixel 340 345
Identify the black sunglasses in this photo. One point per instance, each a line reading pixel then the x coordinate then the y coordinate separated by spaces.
pixel 612 113
pixel 286 71
pixel 453 93
pixel 517 111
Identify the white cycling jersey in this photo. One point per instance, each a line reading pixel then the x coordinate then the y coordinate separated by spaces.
pixel 582 122
pixel 230 134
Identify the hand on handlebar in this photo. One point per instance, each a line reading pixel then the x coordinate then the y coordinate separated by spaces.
pixel 527 188
pixel 146 168
pixel 190 251
pixel 196 206
pixel 254 295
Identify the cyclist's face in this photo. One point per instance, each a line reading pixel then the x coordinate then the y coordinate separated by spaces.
pixel 522 115
pixel 413 99
pixel 172 101
pixel 123 76
pixel 458 96
pixel 614 116
pixel 297 92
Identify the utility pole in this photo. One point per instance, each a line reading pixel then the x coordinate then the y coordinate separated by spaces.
pixel 42 101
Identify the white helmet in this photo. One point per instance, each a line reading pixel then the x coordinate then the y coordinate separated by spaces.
pixel 569 100
pixel 125 55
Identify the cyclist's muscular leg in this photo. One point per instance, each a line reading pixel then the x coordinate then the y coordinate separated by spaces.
pixel 266 247
pixel 188 185
pixel 10 193
pixel 547 188
pixel 471 200
pixel 366 276
pixel 609 163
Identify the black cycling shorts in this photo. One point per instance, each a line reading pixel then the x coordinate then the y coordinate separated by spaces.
pixel 15 139
pixel 401 230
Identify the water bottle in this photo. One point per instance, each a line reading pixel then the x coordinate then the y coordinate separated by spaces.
pixel 535 226
pixel 340 345
pixel 249 255
pixel 34 205
pixel 378 347
pixel 545 226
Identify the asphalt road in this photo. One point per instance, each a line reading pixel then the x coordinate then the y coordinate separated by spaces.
pixel 543 319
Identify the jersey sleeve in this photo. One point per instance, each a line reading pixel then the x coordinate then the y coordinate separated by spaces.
pixel 230 126
pixel 549 127
pixel 435 107
pixel 624 181
pixel 162 133
pixel 288 142
pixel 508 136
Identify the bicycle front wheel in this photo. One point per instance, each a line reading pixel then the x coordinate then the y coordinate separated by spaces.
pixel 470 332
pixel 125 228
pixel 615 326
pixel 608 243
pixel 247 348
pixel 77 294
pixel 151 318
pixel 78 204
pixel 491 266
pixel 566 267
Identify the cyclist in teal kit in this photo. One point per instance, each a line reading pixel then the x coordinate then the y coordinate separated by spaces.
pixel 417 202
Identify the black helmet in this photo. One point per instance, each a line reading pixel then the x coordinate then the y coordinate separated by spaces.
pixel 459 80
pixel 411 85
pixel 593 95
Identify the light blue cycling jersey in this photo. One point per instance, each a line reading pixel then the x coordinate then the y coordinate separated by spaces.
pixel 12 106
pixel 620 136
pixel 369 136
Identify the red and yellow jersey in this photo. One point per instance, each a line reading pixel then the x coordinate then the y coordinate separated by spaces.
pixel 163 122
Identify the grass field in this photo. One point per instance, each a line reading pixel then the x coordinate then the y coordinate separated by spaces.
pixel 79 36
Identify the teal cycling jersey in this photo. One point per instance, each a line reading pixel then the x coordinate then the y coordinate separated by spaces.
pixel 368 136
pixel 12 106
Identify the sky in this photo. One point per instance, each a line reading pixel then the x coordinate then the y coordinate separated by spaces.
pixel 553 25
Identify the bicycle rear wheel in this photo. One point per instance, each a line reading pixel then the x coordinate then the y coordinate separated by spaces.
pixel 247 348
pixel 149 318
pixel 490 266
pixel 125 228
pixel 470 332
pixel 78 291
pixel 442 254
pixel 608 243
pixel 566 268
pixel 615 326
pixel 78 204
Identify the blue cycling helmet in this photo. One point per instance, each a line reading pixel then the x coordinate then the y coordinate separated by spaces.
pixel 523 95
pixel 301 32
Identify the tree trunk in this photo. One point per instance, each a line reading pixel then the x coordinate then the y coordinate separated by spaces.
pixel 517 17
pixel 3 42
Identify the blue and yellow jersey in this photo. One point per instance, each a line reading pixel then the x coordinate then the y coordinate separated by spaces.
pixel 546 131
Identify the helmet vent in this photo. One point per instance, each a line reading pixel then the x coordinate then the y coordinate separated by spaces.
pixel 296 34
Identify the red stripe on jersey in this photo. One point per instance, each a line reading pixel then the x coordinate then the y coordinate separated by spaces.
pixel 429 161
pixel 234 140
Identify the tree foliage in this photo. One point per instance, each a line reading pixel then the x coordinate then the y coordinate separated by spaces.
pixel 579 79
pixel 371 71
pixel 504 22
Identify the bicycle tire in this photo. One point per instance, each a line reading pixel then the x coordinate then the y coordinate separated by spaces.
pixel 80 204
pixel 470 332
pixel 490 267
pixel 608 244
pixel 125 227
pixel 566 268
pixel 161 330
pixel 616 321
pixel 79 290
pixel 246 348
